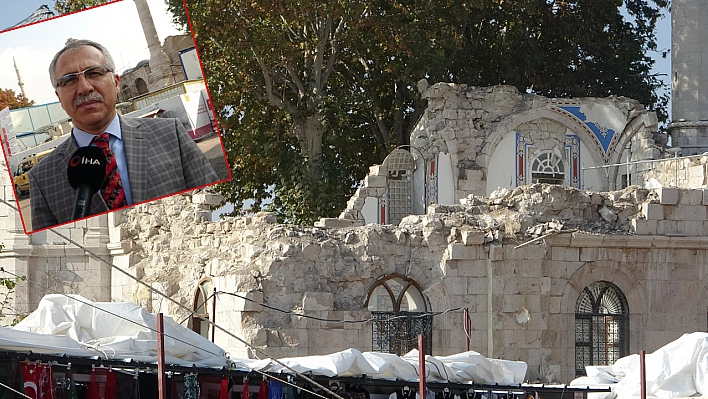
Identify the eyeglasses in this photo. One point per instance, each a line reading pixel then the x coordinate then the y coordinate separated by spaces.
pixel 91 74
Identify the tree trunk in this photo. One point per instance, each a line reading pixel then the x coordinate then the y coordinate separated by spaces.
pixel 309 130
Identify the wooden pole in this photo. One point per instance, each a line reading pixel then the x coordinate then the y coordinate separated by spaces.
pixel 421 367
pixel 213 315
pixel 467 329
pixel 162 394
pixel 643 371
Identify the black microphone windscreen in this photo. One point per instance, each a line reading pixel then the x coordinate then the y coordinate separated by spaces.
pixel 87 166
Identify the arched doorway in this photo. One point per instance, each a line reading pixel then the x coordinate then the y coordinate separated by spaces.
pixel 141 86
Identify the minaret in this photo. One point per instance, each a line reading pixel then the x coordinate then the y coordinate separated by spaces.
pixel 19 79
pixel 160 74
pixel 689 76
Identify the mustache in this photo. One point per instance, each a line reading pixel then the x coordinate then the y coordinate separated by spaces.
pixel 83 98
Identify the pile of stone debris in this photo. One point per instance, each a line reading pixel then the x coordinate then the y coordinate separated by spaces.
pixel 538 209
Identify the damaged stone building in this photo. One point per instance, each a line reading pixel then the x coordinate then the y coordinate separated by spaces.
pixel 564 227
pixel 551 274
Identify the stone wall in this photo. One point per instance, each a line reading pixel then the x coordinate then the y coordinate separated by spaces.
pixel 467 255
pixel 50 263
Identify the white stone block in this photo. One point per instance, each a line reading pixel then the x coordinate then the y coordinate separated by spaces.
pixel 334 223
pixel 667 195
pixel 693 228
pixel 694 212
pixel 643 227
pixel 496 252
pixel 667 227
pixel 674 212
pixel 653 211
pixel 691 197
pixel 463 252
pixel 375 181
pixel 472 237
pixel 318 301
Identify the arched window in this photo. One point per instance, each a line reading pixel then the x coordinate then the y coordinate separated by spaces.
pixel 202 305
pixel 547 167
pixel 400 313
pixel 601 326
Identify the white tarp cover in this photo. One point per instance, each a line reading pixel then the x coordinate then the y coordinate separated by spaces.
pixel 75 326
pixel 94 327
pixel 462 368
pixel 678 369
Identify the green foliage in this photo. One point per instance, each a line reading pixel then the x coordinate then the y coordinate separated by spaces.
pixel 311 93
pixel 5 297
pixel 67 6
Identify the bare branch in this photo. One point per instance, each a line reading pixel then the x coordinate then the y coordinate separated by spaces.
pixel 292 72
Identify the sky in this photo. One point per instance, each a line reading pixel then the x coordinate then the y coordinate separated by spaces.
pixel 115 25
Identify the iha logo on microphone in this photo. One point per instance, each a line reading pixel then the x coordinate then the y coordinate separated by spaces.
pixel 79 160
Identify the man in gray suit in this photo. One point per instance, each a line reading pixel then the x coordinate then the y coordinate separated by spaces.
pixel 147 158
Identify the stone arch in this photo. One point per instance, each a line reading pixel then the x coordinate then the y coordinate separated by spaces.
pixel 201 305
pixel 141 86
pixel 625 280
pixel 400 312
pixel 630 130
pixel 510 124
pixel 399 289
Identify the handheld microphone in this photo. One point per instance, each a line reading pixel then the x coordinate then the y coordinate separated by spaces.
pixel 86 172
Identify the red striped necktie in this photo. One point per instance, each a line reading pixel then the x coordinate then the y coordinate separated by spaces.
pixel 112 190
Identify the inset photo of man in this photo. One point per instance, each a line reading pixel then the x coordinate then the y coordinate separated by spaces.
pixel 130 120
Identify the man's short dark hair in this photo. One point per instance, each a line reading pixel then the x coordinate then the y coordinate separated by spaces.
pixel 75 43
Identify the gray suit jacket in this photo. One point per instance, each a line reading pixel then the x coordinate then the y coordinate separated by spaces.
pixel 162 160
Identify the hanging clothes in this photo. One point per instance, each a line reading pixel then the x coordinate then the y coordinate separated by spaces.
pixel 64 384
pixel 244 394
pixel 289 392
pixel 10 375
pixel 111 385
pixel 93 386
pixel 148 387
pixel 275 390
pixel 358 392
pixel 38 380
pixel 191 387
pixel 129 386
pixel 307 392
pixel 224 391
pixel 405 393
pixel 263 390
pixel 446 394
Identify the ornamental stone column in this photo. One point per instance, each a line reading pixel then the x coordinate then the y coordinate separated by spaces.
pixel 160 73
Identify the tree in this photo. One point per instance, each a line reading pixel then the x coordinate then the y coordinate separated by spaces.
pixel 310 93
pixel 8 98
pixel 6 303
pixel 67 6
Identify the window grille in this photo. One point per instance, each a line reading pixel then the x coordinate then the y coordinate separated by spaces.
pixel 548 168
pixel 397 332
pixel 601 326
